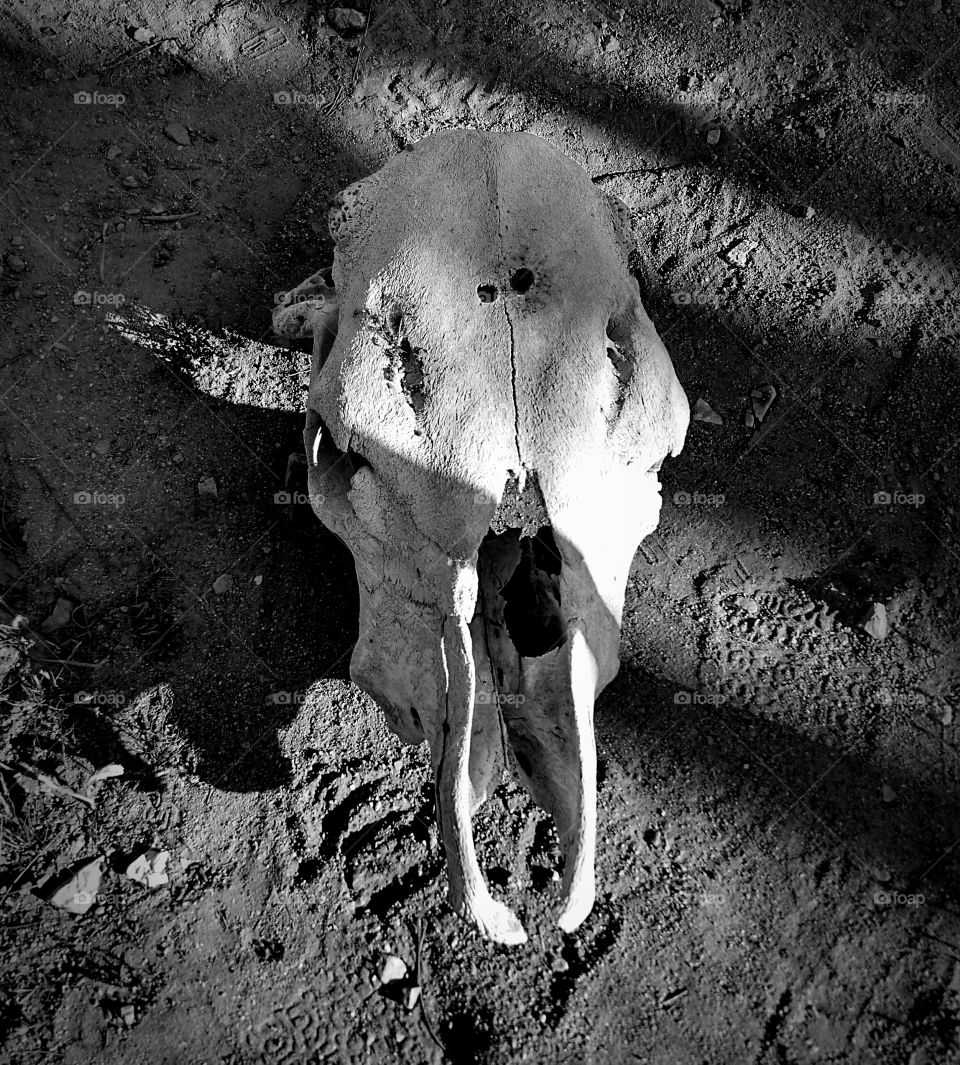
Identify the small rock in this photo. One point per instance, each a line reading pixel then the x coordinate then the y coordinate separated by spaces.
pixel 178 133
pixel 346 20
pixel 207 487
pixel 102 447
pixel 394 969
pixel 59 616
pixel 703 412
pixel 713 136
pixel 130 182
pixel 889 795
pixel 258 580
pixel 78 892
pixel 113 151
pixel 16 264
pixel 558 964
pixel 223 583
pixel 874 622
pixel 143 35
pixel 821 133
pixel 178 458
pixel 737 252
pixel 150 868
pixel 748 605
pixel 411 997
pixel 762 398
pixel 106 773
pixel 128 1015
pixel 748 419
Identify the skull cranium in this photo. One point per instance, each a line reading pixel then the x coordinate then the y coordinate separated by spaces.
pixel 488 410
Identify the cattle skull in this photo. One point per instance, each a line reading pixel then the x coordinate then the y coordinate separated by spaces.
pixel 489 406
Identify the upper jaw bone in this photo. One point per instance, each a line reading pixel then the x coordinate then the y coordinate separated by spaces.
pixel 469 894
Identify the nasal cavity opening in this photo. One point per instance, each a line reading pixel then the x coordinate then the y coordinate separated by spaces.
pixel 532 614
pixel 521 280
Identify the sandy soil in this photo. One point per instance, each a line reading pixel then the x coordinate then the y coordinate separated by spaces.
pixel 780 832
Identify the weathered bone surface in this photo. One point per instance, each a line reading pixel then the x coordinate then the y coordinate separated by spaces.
pixel 489 407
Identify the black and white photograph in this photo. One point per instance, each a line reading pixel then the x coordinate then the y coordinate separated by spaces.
pixel 480 532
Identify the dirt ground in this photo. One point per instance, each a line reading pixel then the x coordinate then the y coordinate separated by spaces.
pixel 779 824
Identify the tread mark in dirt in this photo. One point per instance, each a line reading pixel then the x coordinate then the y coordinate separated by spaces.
pixel 292 1034
pixel 384 856
pixel 402 888
pixel 583 954
pixel 337 821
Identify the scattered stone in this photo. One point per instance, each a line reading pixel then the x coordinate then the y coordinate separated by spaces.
pixel 889 795
pixel 738 252
pixel 346 20
pixel 874 622
pixel 703 412
pixel 713 136
pixel 142 35
pixel 178 133
pixel 746 604
pixel 223 583
pixel 558 964
pixel 762 398
pixel 748 419
pixel 208 487
pixel 394 969
pixel 821 133
pixel 411 997
pixel 108 772
pixel 76 891
pixel 150 868
pixel 128 1014
pixel 15 263
pixel 59 616
pixel 102 447
pixel 258 580
pixel 130 182
pixel 113 151
pixel 178 458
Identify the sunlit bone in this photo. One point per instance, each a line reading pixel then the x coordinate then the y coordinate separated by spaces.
pixel 489 407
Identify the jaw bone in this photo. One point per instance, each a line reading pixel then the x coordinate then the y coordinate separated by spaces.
pixel 489 405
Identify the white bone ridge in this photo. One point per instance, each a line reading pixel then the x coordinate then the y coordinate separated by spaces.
pixel 483 367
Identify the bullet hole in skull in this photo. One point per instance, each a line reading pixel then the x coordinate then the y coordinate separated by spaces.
pixel 521 280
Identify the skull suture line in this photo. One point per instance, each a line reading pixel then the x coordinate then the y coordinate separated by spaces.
pixel 489 407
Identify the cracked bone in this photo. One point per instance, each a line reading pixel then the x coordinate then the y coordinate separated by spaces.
pixel 486 418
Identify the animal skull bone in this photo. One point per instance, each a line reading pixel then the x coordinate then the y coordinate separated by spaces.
pixel 489 406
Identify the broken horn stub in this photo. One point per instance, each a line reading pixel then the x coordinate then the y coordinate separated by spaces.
pixel 488 410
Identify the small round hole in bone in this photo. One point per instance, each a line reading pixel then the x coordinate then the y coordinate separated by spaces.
pixel 487 293
pixel 521 280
